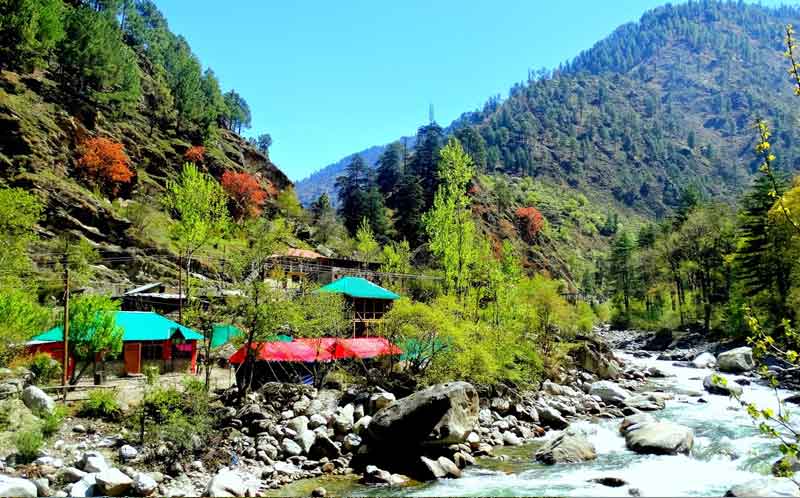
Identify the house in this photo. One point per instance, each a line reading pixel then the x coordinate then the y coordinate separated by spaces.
pixel 298 265
pixel 147 339
pixel 367 302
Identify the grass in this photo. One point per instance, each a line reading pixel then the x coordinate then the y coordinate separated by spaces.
pixel 102 403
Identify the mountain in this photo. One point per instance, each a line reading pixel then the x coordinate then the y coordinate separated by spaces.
pixel 323 181
pixel 113 73
pixel 660 105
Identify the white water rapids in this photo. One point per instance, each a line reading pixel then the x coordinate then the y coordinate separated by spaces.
pixel 728 450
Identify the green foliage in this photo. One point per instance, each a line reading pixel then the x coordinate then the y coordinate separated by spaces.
pixel 102 403
pixel 93 328
pixel 177 417
pixel 52 421
pixel 21 317
pixel 29 31
pixel 199 203
pixel 28 443
pixel 44 368
pixel 19 213
pixel 94 61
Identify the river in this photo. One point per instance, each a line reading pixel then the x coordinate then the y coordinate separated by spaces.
pixel 728 450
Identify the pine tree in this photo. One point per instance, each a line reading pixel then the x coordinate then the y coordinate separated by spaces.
pixel 352 187
pixel 411 205
pixel 390 169
pixel 29 31
pixel 475 146
pixel 621 266
pixel 424 163
pixel 185 80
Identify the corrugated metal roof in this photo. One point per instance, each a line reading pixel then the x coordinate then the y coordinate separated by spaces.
pixel 136 326
pixel 359 287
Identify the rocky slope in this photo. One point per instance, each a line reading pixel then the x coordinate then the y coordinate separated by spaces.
pixel 40 133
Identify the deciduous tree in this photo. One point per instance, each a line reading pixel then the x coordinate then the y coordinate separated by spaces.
pixel 246 194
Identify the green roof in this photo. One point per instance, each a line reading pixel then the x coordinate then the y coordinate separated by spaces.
pixel 222 334
pixel 359 287
pixel 136 326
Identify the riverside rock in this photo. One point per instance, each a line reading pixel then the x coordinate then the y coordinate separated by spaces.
pixel 704 360
pixel 442 414
pixel 729 389
pixel 609 392
pixel 37 401
pixel 569 447
pixel 551 417
pixel 144 485
pixel 658 438
pixel 736 360
pixel 13 486
pixel 112 482
pixel 226 483
pixel 768 486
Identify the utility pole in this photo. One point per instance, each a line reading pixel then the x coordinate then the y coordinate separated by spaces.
pixel 180 289
pixel 65 366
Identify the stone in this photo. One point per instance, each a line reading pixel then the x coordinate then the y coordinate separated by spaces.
pixel 285 468
pixel 86 486
pixel 144 485
pixel 323 447
pixel 343 419
pixel 552 418
pixel 645 402
pixel 14 486
pixel 728 389
pixel 597 358
pixel 659 438
pixel 568 447
pixel 250 413
pixel 226 483
pixel 474 440
pixel 511 439
pixel 79 429
pixel 291 448
pixel 112 482
pixel 611 482
pixel 433 468
pixel 128 452
pixel 450 468
pixel 768 486
pixel 358 411
pixel 42 486
pixel 442 414
pixel 71 474
pixel 351 442
pixel 375 475
pixel 704 360
pixel 736 360
pixel 526 413
pixel 49 461
pixel 94 462
pixel 362 424
pixel 379 401
pixel 462 459
pixel 37 401
pixel 319 492
pixel 298 424
pixel 305 440
pixel 500 405
pixel 609 392
pixel 317 420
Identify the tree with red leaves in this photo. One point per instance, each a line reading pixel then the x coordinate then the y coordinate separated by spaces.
pixel 105 162
pixel 531 222
pixel 195 154
pixel 246 194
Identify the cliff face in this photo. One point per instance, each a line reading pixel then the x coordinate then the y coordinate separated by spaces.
pixel 41 131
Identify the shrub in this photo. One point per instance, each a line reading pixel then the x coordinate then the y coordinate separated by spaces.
pixel 195 154
pixel 28 443
pixel 44 367
pixel 105 162
pixel 51 422
pixel 102 403
pixel 246 194
pixel 531 222
pixel 151 374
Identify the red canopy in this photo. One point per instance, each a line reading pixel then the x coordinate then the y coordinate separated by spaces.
pixel 321 349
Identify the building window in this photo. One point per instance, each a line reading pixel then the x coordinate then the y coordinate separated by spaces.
pixel 152 351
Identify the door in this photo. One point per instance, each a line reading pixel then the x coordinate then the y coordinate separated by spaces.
pixel 133 357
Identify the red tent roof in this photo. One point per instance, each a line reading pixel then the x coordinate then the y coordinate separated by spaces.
pixel 322 349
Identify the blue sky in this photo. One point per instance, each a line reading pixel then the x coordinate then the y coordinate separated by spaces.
pixel 329 78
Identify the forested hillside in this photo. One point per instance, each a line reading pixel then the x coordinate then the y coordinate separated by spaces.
pixel 101 105
pixel 659 105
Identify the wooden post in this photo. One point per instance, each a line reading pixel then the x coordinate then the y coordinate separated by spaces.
pixel 65 366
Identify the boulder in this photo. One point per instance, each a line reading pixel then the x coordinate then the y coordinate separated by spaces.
pixel 317 420
pixel 37 401
pixel 374 475
pixel 449 467
pixel 12 486
pixel 94 462
pixel 609 392
pixel 298 424
pixel 736 360
pixel 728 389
pixel 551 417
pixel 86 486
pixel 343 419
pixel 351 442
pixel 323 447
pixel 291 448
pixel 442 414
pixel 71 474
pixel 645 402
pixel 704 360
pixel 597 358
pixel 144 485
pixel 511 439
pixel 569 447
pixel 362 424
pixel 128 452
pixel 305 440
pixel 768 486
pixel 226 483
pixel 379 401
pixel 659 438
pixel 112 482
pixel 42 486
pixel 639 419
pixel 500 405
pixel 611 482
pixel 433 468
